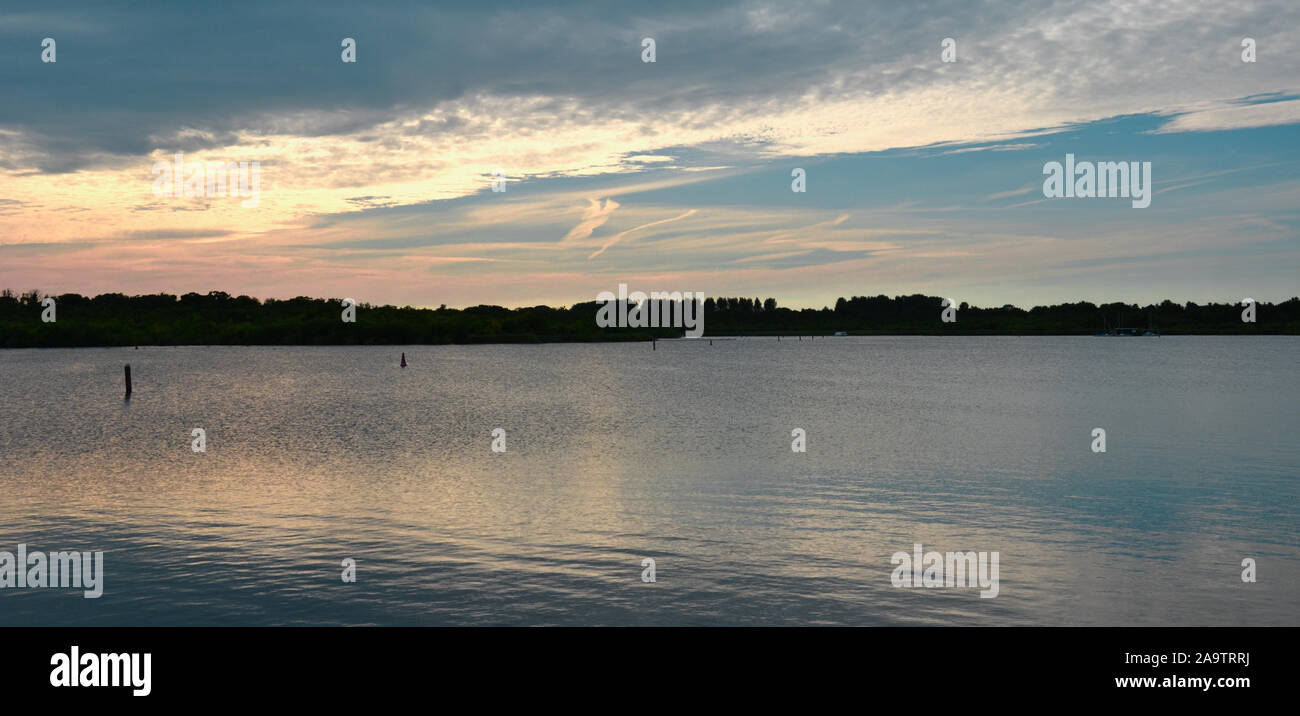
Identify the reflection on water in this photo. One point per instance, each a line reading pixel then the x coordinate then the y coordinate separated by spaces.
pixel 616 453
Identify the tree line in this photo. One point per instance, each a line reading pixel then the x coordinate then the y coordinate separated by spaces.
pixel 217 318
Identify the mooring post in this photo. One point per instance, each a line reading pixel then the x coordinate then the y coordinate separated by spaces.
pixel 128 380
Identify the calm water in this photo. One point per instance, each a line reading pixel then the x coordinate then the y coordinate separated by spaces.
pixel 616 453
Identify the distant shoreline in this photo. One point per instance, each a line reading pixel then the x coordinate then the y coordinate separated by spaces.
pixel 216 318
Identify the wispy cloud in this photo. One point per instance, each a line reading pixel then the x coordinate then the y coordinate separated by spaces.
pixel 1013 192
pixel 595 215
pixel 1219 118
pixel 617 237
pixel 994 148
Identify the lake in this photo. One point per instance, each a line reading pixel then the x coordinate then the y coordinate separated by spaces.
pixel 615 453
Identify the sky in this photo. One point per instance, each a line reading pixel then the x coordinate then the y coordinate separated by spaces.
pixel 920 175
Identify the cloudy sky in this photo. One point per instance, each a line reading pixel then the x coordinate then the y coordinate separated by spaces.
pixel 922 176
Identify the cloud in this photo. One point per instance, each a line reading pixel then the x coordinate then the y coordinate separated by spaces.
pixel 1235 117
pixel 1013 192
pixel 391 154
pixel 799 259
pixel 825 78
pixel 595 215
pixel 994 148
pixel 617 237
pixel 174 234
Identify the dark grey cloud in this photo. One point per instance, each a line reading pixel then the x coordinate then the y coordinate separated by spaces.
pixel 131 78
pixel 27 250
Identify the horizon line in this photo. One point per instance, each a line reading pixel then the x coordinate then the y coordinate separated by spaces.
pixel 18 296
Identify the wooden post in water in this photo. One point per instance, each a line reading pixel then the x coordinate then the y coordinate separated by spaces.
pixel 128 380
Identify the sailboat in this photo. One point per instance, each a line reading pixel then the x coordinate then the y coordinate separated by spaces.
pixel 403 359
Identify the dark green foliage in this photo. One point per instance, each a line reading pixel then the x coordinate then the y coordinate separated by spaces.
pixel 919 315
pixel 220 319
